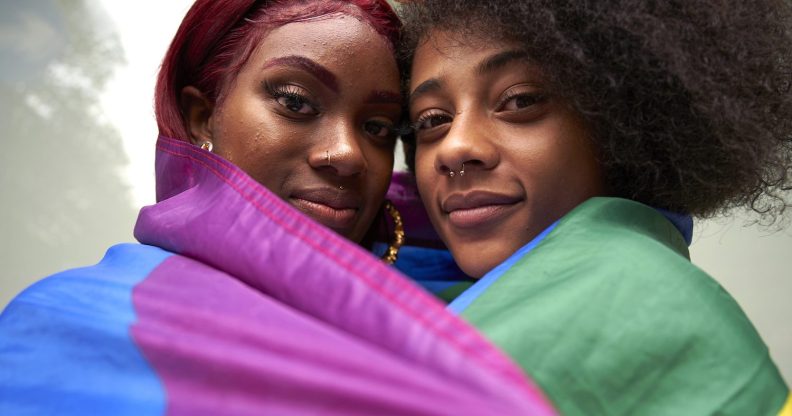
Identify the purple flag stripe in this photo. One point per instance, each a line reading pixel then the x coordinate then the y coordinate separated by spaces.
pixel 323 274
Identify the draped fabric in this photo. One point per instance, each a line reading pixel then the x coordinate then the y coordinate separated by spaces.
pixel 608 315
pixel 236 303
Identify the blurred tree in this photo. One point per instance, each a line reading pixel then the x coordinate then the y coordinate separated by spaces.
pixel 64 200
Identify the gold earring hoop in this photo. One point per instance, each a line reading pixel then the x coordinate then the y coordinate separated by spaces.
pixel 398 234
pixel 206 145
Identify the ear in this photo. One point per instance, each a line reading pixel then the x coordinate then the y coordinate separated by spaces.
pixel 197 110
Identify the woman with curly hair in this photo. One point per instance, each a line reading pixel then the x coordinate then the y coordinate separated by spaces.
pixel 561 148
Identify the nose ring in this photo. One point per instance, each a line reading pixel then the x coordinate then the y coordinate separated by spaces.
pixel 451 173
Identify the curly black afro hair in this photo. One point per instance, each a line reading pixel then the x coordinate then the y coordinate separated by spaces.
pixel 688 101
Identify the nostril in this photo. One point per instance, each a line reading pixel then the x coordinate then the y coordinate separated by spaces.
pixel 460 169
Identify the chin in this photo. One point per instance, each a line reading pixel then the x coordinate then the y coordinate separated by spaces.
pixel 478 257
pixel 474 272
pixel 474 262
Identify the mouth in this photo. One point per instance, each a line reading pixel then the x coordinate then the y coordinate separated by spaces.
pixel 478 208
pixel 331 207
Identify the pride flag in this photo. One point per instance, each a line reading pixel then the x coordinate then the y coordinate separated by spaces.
pixel 235 303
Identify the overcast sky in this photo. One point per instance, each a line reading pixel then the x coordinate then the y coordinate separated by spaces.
pixel 145 28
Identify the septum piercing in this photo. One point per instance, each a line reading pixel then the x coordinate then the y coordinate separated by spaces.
pixel 451 173
pixel 327 157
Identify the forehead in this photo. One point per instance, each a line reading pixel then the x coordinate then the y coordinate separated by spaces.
pixel 332 40
pixel 452 59
pixel 444 50
pixel 440 46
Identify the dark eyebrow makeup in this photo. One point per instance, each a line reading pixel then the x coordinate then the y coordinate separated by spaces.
pixel 318 71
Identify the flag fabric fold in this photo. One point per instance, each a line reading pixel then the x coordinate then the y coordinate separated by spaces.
pixel 236 303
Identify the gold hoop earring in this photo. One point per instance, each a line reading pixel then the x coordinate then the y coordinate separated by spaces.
pixel 206 145
pixel 398 234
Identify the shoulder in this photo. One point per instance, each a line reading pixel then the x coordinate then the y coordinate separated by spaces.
pixel 608 313
pixel 613 242
pixel 613 251
pixel 65 341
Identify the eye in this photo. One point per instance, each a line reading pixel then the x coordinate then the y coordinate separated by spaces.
pixel 431 120
pixel 297 104
pixel 293 99
pixel 379 129
pixel 520 101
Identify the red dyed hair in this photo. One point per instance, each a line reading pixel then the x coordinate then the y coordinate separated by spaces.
pixel 216 38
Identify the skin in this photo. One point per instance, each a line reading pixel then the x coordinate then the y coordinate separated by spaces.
pixel 527 155
pixel 311 116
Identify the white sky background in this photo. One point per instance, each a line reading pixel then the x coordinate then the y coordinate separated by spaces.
pixel 145 28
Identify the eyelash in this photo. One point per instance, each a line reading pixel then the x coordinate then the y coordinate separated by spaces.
pixel 290 92
pixel 415 127
pixel 535 97
pixel 391 132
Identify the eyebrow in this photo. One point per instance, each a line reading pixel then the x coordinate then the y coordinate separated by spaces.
pixel 384 97
pixel 499 60
pixel 430 85
pixel 318 71
pixel 493 63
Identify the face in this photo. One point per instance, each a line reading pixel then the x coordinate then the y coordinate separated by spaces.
pixel 483 108
pixel 311 116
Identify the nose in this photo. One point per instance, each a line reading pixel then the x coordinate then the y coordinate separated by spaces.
pixel 339 151
pixel 467 147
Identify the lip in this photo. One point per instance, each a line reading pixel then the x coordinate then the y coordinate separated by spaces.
pixel 477 208
pixel 332 207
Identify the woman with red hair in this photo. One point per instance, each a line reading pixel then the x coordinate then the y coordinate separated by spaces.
pixel 252 290
pixel 301 96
